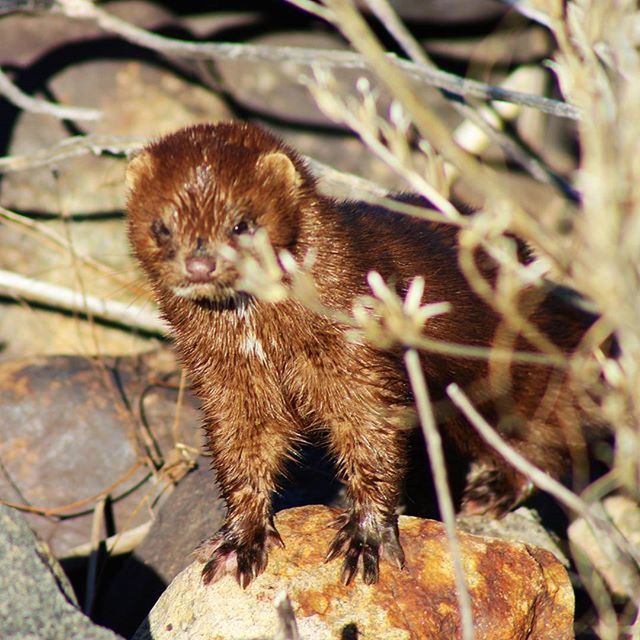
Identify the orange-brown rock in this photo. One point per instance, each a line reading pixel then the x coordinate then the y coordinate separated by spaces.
pixel 518 591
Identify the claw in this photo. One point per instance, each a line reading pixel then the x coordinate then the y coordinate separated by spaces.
pixel 274 536
pixel 335 548
pixel 355 541
pixel 370 570
pixel 242 554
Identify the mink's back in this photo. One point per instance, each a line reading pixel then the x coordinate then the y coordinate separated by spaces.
pixel 401 247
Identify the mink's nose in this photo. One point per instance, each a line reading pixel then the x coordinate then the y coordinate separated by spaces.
pixel 200 268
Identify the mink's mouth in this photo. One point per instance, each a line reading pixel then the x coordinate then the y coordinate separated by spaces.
pixel 209 295
pixel 206 290
pixel 240 302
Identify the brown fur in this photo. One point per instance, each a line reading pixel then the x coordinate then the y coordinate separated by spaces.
pixel 267 374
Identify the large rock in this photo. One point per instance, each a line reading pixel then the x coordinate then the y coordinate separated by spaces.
pixel 73 427
pixel 518 591
pixel 37 601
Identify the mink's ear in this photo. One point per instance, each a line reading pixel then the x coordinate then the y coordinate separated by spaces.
pixel 278 167
pixel 139 165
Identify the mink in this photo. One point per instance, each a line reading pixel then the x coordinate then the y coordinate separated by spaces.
pixel 270 374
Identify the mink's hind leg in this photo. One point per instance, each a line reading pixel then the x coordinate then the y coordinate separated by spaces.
pixel 494 488
pixel 370 458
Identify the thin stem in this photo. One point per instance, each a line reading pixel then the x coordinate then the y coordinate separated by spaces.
pixel 445 502
pixel 97 144
pixel 17 286
pixel 17 97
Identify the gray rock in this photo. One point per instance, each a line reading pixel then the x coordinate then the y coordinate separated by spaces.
pixel 37 602
pixel 521 525
pixel 624 513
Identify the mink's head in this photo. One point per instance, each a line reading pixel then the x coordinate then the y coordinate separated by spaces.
pixel 204 187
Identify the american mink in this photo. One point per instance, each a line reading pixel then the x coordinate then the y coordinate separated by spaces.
pixel 269 374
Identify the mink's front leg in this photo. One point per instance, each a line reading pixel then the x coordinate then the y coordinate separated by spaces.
pixel 370 456
pixel 247 457
pixel 239 548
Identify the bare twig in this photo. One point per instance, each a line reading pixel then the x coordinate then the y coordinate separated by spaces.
pixel 36 291
pixel 97 524
pixel 49 236
pixel 305 56
pixel 484 118
pixel 388 17
pixel 445 503
pixel 431 127
pixel 77 505
pixel 117 544
pixel 287 625
pixel 97 144
pixel 33 105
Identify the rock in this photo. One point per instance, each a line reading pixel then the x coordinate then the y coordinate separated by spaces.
pixel 73 427
pixel 521 525
pixel 136 99
pixel 625 515
pixel 26 37
pixel 193 512
pixel 447 11
pixel 37 602
pixel 518 591
pixel 30 330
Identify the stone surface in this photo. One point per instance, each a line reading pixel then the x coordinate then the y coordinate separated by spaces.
pixel 27 330
pixel 193 512
pixel 27 37
pixel 36 603
pixel 136 99
pixel 518 591
pixel 625 514
pixel 521 525
pixel 72 427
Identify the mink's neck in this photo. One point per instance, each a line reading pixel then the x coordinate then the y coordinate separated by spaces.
pixel 333 244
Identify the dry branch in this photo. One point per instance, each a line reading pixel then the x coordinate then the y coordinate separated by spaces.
pixel 83 9
pixel 16 286
pixel 621 552
pixel 97 144
pixel 439 471
pixel 33 105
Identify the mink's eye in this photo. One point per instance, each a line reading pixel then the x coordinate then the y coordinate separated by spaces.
pixel 241 228
pixel 160 232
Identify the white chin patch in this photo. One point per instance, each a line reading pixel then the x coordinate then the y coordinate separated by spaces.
pixel 204 292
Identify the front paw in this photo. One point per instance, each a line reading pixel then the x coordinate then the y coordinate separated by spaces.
pixel 364 538
pixel 241 552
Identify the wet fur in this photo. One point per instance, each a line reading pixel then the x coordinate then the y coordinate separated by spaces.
pixel 269 374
